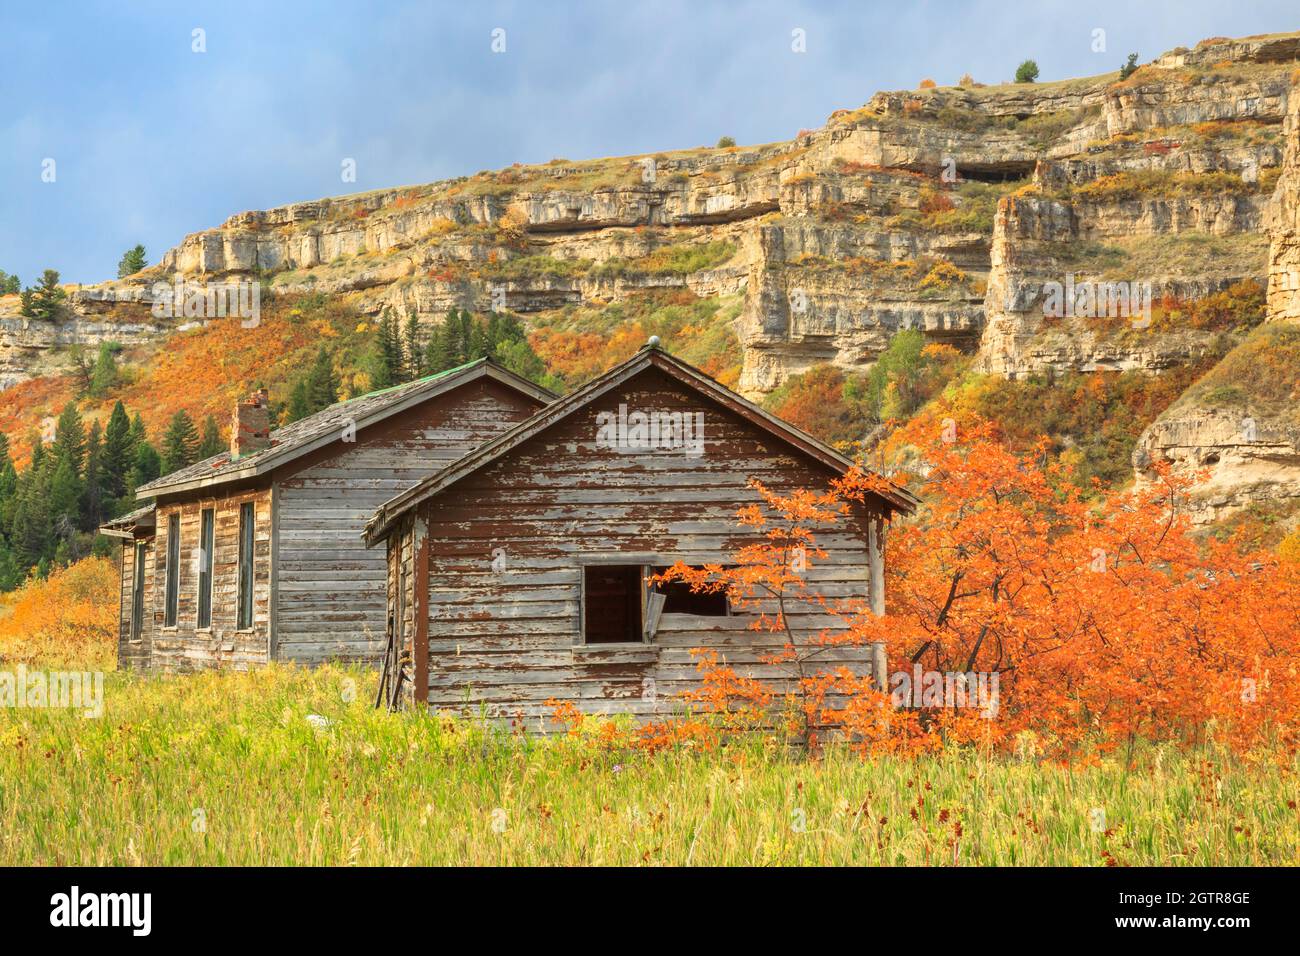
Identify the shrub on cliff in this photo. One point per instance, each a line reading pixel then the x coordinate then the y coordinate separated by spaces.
pixel 1027 72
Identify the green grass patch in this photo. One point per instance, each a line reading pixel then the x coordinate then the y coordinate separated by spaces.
pixel 680 259
pixel 222 770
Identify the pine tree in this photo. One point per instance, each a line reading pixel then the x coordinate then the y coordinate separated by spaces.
pixel 465 338
pixel 117 458
pixel 45 300
pixel 133 260
pixel 103 375
pixel 70 439
pixel 92 494
pixel 137 429
pixel 147 466
pixel 322 383
pixel 11 571
pixel 413 365
pixel 210 444
pixel 32 537
pixel 8 488
pixel 440 354
pixel 180 444
pixel 387 361
pixel 299 403
pixel 480 339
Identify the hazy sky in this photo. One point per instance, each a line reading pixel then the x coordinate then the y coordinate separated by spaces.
pixel 152 141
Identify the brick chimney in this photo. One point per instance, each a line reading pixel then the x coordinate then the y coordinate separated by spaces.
pixel 250 429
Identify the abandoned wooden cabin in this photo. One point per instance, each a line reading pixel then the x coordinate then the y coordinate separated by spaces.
pixel 520 572
pixel 254 554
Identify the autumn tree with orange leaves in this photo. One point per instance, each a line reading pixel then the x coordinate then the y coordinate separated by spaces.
pixel 1106 620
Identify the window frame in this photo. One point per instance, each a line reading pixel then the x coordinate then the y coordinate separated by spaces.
pixel 244 564
pixel 622 560
pixel 172 572
pixel 137 593
pixel 203 584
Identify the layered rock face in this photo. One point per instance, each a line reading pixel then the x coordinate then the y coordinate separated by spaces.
pixel 948 210
pixel 1240 427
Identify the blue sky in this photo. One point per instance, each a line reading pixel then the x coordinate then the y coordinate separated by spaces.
pixel 152 141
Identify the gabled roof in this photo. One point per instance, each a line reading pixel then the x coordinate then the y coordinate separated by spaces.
pixel 142 519
pixel 326 426
pixel 650 356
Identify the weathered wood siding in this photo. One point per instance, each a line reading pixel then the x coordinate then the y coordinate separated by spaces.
pixel 509 639
pixel 330 592
pixel 186 647
pixel 135 654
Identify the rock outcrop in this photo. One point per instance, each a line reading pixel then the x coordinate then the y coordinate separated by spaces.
pixel 1240 427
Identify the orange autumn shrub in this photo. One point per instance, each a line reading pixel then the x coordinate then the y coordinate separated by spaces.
pixel 69 618
pixel 1104 620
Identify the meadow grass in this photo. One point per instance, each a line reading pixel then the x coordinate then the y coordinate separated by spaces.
pixel 226 769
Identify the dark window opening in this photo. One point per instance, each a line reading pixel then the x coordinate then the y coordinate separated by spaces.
pixel 137 592
pixel 205 567
pixel 245 616
pixel 612 604
pixel 680 599
pixel 173 570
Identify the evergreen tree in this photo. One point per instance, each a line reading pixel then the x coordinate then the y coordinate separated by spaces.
pixel 11 569
pixel 322 383
pixel 44 300
pixel 1027 72
pixel 464 338
pixel 480 344
pixel 137 429
pixel 147 466
pixel 133 260
pixel 440 353
pixel 387 362
pixel 299 403
pixel 33 538
pixel 70 439
pixel 8 496
pixel 92 494
pixel 210 444
pixel 413 360
pixel 103 375
pixel 180 444
pixel 65 496
pixel 117 458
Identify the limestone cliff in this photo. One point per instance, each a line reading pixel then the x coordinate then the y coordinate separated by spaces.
pixel 952 210
pixel 1240 425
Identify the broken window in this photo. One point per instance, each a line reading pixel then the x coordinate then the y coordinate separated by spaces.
pixel 680 599
pixel 621 606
